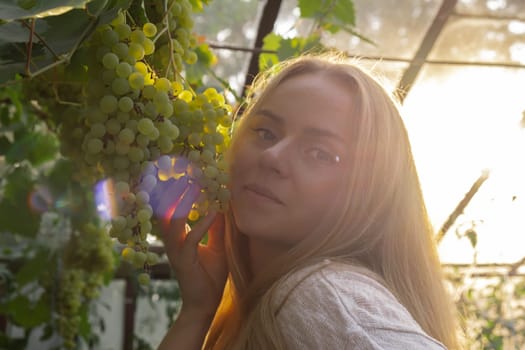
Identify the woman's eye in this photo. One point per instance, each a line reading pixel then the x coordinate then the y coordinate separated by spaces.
pixel 264 134
pixel 323 156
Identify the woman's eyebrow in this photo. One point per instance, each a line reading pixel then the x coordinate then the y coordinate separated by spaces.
pixel 274 116
pixel 318 132
pixel 312 131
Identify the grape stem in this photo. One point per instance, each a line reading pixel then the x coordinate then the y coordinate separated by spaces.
pixel 60 59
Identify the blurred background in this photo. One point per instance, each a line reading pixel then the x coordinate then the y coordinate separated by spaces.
pixel 458 68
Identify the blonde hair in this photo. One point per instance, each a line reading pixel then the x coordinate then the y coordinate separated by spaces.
pixel 384 224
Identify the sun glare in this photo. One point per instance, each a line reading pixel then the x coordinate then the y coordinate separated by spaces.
pixel 461 122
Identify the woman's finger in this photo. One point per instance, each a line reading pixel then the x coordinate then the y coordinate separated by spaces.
pixel 169 194
pixel 196 234
pixel 216 233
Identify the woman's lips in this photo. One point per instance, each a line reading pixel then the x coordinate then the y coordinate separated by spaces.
pixel 263 192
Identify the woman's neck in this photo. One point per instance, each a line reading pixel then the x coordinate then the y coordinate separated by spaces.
pixel 263 252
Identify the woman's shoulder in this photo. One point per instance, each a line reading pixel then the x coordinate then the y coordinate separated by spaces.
pixel 350 306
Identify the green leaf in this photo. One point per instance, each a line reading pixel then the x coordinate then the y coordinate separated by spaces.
pixel 271 42
pixel 37 148
pixel 5 144
pixel 16 215
pixel 344 11
pixel 310 8
pixel 18 9
pixel 59 43
pixel 205 58
pixel 28 314
pixel 34 268
pixel 472 235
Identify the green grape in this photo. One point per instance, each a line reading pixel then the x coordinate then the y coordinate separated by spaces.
pixel 123 69
pixel 145 227
pixel 152 258
pixel 125 104
pixel 149 30
pixel 120 86
pixel 123 30
pixel 110 60
pixel 139 258
pixel 121 50
pixel 122 148
pixel 148 182
pixel 109 37
pixel 137 36
pixel 118 223
pixel 194 139
pixel 94 146
pixel 126 136
pixel 136 51
pixel 211 172
pixel 136 80
pixel 143 278
pixel 122 117
pixel 108 104
pixel 108 76
pixel 207 156
pixel 149 92
pixel 142 197
pixel 142 140
pixel 128 254
pixel 98 130
pixel 190 57
pixel 135 154
pixel 145 126
pixel 163 84
pixel 121 187
pixel 165 144
pixel 143 215
pixel 149 47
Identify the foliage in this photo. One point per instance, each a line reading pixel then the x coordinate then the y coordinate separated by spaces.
pixel 492 307
pixel 56 251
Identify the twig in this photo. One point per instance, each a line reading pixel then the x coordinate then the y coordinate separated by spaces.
pixel 462 205
pixel 225 84
pixel 515 266
pixel 32 29
pixel 30 47
pixel 239 48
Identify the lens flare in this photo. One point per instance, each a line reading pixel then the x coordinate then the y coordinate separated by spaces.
pixel 40 199
pixel 105 200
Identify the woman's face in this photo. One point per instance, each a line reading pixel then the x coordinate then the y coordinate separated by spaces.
pixel 288 161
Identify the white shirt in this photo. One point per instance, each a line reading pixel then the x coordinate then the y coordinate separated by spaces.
pixel 333 306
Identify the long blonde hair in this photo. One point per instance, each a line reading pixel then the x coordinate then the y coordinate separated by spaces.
pixel 384 224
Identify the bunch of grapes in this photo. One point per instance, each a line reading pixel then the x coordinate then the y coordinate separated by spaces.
pixel 140 129
pixel 88 258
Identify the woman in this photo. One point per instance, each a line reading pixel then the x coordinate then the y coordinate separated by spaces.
pixel 327 244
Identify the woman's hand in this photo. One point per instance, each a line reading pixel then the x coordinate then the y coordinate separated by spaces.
pixel 200 270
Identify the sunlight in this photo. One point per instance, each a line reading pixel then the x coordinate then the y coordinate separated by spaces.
pixel 461 121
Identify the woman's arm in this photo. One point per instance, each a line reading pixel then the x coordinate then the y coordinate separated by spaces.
pixel 200 270
pixel 187 332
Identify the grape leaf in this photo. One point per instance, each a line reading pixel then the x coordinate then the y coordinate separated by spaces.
pixel 19 9
pixel 28 314
pixel 33 268
pixel 310 8
pixel 16 215
pixel 271 42
pixel 57 42
pixel 37 148
pixel 205 59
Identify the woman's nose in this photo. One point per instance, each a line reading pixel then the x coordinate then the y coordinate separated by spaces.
pixel 276 158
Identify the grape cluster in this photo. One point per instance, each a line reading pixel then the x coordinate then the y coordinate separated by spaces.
pixel 175 46
pixel 139 129
pixel 88 257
